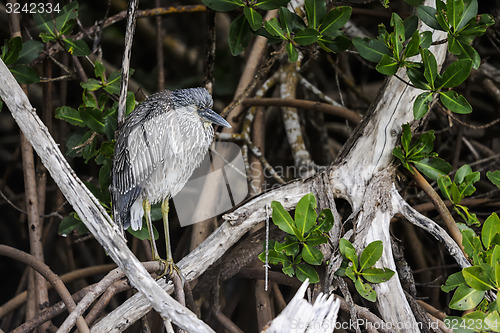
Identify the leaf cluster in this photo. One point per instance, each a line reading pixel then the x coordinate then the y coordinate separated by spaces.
pixel 462 186
pixel 18 55
pixel 55 29
pixel 420 154
pixel 360 269
pixel 460 20
pixel 298 253
pixel 321 26
pixel 397 49
pixel 473 283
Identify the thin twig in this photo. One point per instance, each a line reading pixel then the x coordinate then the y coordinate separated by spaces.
pixel 47 273
pixel 129 36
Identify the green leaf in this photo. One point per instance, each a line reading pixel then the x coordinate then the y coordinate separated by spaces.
pixel 491 322
pixel 494 177
pixel 469 13
pixel 421 105
pixel 434 167
pixel 455 74
pixel 467 52
pixel 325 220
pixel 337 44
pixel 92 118
pixel 335 19
pixel 410 26
pixel 76 47
pixel 477 278
pixel 455 194
pixel 316 238
pixel 293 55
pixel 348 251
pixel 425 39
pixel 99 70
pixel 271 4
pixel 398 153
pixel 416 76
pixel 290 246
pixel 455 102
pixel 441 15
pixel 273 27
pixel 315 12
pixel 239 35
pixel 461 173
pixel 91 84
pixel 453 281
pixel 11 49
pixel 428 16
pixel 130 106
pixel 406 137
pixel 70 115
pixel 253 18
pixel 282 218
pixel 430 67
pixel 413 45
pixel 287 20
pixel 370 49
pixel 467 186
pixel 305 213
pixel 70 223
pixel 424 143
pixel 25 74
pixel 468 237
pixel 349 272
pixel 143 233
pixel 387 65
pixel 68 13
pixel 370 255
pixel 365 290
pixel 496 266
pixel 112 86
pixel 44 23
pixel 444 184
pixel 491 227
pixel 304 271
pixel 312 255
pixel 223 5
pixel 306 36
pixel 377 275
pixel 465 298
pixel 29 52
pixel 288 268
pixel 398 37
pixel 455 8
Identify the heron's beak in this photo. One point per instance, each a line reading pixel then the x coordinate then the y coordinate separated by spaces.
pixel 213 117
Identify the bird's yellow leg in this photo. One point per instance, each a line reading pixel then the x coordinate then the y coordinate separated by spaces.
pixel 146 206
pixel 170 261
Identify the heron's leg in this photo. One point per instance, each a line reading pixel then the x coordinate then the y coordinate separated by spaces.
pixel 171 266
pixel 164 214
pixel 146 205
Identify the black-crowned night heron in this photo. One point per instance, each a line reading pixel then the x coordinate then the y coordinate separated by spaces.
pixel 157 149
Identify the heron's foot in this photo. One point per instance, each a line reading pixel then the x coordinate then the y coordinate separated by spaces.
pixel 168 268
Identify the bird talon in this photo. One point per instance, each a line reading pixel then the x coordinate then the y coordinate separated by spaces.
pixel 167 269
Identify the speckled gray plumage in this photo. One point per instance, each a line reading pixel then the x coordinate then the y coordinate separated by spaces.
pixel 157 149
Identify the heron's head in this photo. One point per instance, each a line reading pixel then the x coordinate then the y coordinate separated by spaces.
pixel 201 101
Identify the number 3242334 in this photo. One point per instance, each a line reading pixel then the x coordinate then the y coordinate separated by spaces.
pixel 32 8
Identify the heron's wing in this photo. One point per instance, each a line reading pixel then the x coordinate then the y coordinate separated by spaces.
pixel 139 149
